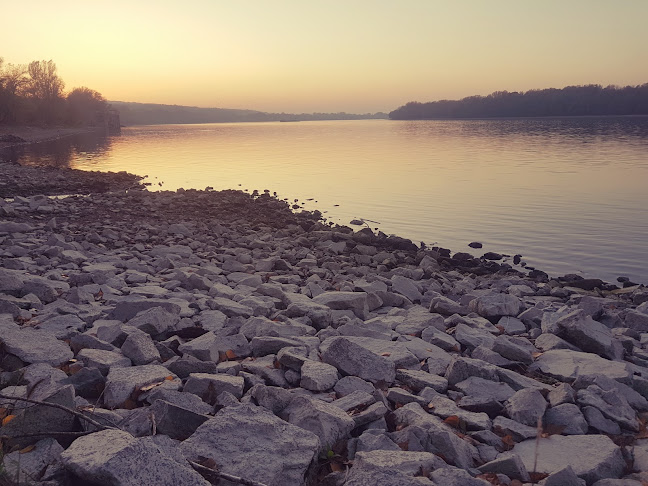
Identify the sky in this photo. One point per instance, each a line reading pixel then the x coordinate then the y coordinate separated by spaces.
pixel 298 56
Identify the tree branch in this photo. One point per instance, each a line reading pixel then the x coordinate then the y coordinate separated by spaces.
pixel 214 473
pixel 60 407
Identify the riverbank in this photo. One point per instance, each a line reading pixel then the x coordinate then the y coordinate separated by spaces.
pixel 19 135
pixel 195 330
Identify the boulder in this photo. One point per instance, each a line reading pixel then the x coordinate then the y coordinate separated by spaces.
pixel 353 359
pixel 115 457
pixel 123 382
pixel 249 441
pixel 597 456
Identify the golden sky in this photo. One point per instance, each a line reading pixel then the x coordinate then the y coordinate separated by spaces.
pixel 326 55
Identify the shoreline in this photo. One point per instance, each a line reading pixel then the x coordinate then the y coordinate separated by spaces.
pixel 329 355
pixel 27 135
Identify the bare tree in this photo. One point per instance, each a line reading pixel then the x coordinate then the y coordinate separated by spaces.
pixel 44 84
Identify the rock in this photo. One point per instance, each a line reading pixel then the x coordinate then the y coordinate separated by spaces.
pixel 438 437
pixel 103 360
pixel 349 384
pixel 526 407
pixel 139 347
pixel 122 382
pixel 598 422
pixel 34 346
pixel 354 301
pixel 352 359
pixel 410 463
pixel 567 418
pixel 636 320
pixel 475 244
pixel 455 477
pixel 31 464
pixel 326 421
pixel 598 457
pixel 117 458
pixel 508 464
pixel 518 431
pixel 39 418
pixel 317 376
pixel 126 310
pixel 155 320
pixel 611 404
pixel 475 386
pixel 515 349
pixel 417 380
pixel 567 365
pixel 261 435
pixel 563 477
pixel 589 335
pixel 496 305
pixel 209 386
pixel 512 325
pixel 406 287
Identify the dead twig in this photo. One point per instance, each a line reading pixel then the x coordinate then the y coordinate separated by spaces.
pixel 218 474
pixel 79 415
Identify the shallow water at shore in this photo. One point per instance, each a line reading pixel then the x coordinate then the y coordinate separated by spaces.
pixel 567 194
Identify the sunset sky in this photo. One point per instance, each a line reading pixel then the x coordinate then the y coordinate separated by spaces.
pixel 336 55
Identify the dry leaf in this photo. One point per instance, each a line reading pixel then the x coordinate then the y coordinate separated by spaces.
pixel 169 378
pixel 430 405
pixel 508 441
pixel 146 388
pixel 453 421
pixel 385 354
pixel 336 466
pixel 536 355
pixel 8 419
pixel 230 354
pixel 27 449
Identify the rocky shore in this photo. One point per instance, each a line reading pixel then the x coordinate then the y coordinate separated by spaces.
pixel 204 337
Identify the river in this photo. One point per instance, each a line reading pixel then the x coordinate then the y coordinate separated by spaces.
pixel 569 194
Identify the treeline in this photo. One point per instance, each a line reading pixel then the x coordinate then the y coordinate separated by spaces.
pixel 33 94
pixel 589 100
pixel 154 114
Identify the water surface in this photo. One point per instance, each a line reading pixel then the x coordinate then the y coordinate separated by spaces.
pixel 570 195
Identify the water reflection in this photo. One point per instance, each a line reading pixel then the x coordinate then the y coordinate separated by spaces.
pixel 567 193
pixel 62 153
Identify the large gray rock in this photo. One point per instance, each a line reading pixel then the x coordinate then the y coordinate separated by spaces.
pixel 439 438
pixel 589 335
pixel 115 457
pixel 568 417
pixel 122 382
pixel 409 463
pixel 128 309
pixel 509 464
pixel 317 376
pixel 354 301
pixel 34 346
pixel 42 419
pixel 251 442
pixel 28 467
pixel 567 365
pixel 353 359
pixel 103 360
pixel 611 404
pixel 479 387
pixel 140 348
pixel 155 320
pixel 496 305
pixel 592 457
pixel 526 406
pixel 637 320
pixel 209 386
pixel 328 422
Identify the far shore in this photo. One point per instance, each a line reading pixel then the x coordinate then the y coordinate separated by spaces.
pixel 33 134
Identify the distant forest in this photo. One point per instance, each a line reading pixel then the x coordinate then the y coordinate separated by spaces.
pixel 34 94
pixel 153 114
pixel 589 100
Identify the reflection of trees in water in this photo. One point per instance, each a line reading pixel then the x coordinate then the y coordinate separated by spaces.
pixel 581 128
pixel 59 153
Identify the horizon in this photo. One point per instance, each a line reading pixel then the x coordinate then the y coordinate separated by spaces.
pixel 358 58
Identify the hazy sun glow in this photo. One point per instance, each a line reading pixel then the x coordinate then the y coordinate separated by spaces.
pixel 336 55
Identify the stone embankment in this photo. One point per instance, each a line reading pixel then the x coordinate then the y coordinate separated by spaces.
pixel 185 335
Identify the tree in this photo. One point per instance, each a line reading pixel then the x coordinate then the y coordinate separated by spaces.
pixel 45 88
pixel 84 105
pixel 13 81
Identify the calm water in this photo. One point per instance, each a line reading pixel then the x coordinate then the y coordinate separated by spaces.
pixel 570 195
